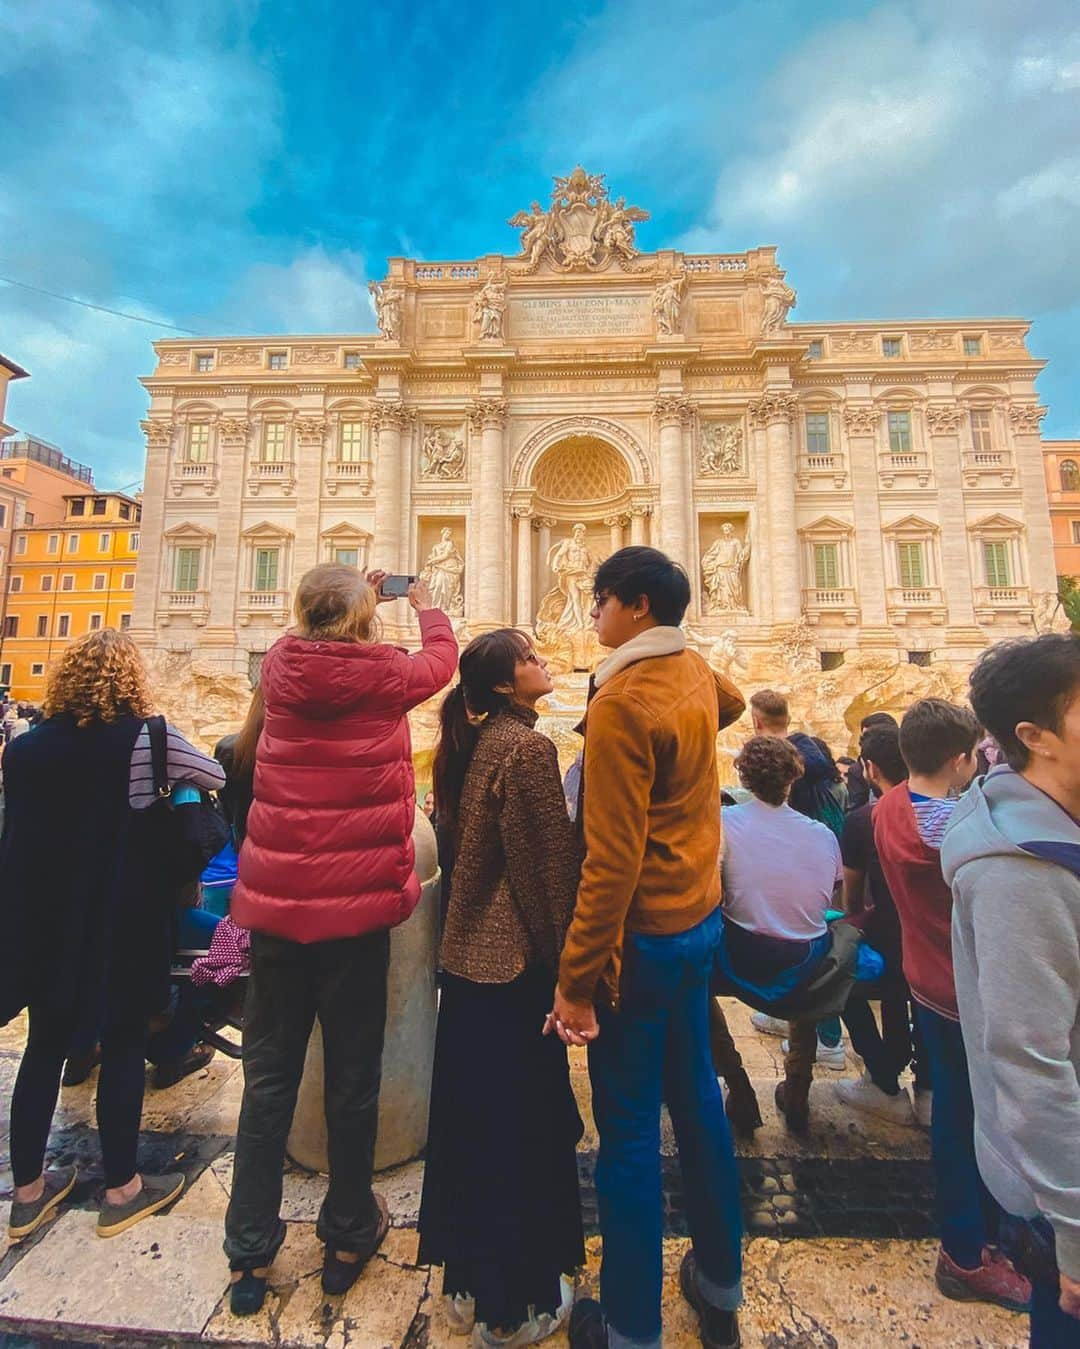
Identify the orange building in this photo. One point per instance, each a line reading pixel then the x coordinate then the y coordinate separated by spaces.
pixel 67 578
pixel 1061 462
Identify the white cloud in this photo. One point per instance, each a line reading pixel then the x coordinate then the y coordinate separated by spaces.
pixel 315 293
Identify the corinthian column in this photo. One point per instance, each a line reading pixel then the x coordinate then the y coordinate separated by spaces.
pixel 488 416
pixel 159 438
pixel 615 524
pixel 638 516
pixel 775 413
pixel 861 426
pixel 673 517
pixel 523 516
pixel 389 420
pixel 232 447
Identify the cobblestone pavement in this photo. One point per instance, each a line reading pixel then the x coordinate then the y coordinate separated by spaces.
pixel 840 1248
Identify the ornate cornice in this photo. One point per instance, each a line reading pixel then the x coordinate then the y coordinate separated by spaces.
pixel 943 420
pixel 861 421
pixel 673 409
pixel 771 408
pixel 1025 417
pixel 488 412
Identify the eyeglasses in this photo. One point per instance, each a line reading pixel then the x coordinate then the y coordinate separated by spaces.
pixel 601 598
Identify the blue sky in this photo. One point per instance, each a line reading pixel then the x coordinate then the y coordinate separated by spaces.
pixel 235 167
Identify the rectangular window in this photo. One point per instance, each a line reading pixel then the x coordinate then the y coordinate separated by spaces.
pixel 352 360
pixel 3 516
pixel 11 625
pixel 981 439
pixel 350 557
pixel 817 433
pixel 277 360
pixel 972 346
pixel 103 543
pixel 5 676
pixel 996 562
pixel 274 442
pixel 29 517
pixel 99 507
pixel 826 566
pixel 266 569
pixel 128 583
pixel 43 625
pixel 67 581
pixel 46 583
pixel 1075 531
pixel 37 669
pixel 95 622
pixel 204 363
pixel 53 545
pixel 73 543
pixel 133 542
pixel 351 442
pixel 77 507
pixel 15 585
pixel 198 443
pixel 900 432
pixel 891 346
pixel 912 571
pixel 188 561
pixel 814 350
pixel 919 657
pixel 99 580
pixel 20 544
pixel 125 511
pixel 63 625
pixel 125 622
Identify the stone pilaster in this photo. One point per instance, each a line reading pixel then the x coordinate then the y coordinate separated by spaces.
pixel 774 413
pixel 543 525
pixel 675 413
pixel 488 417
pixel 523 516
pixel 389 418
pixel 1024 421
pixel 148 574
pixel 616 524
pixel 639 526
pixel 233 435
pixel 861 426
pixel 943 422
pixel 310 433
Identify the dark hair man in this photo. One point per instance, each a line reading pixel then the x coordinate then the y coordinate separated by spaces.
pixel 635 969
pixel 857 785
pixel 937 740
pixel 1012 855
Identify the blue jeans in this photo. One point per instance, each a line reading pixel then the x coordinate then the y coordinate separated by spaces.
pixel 966 1209
pixel 1051 1328
pixel 656 1048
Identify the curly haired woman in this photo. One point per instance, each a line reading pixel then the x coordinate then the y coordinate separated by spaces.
pixel 88 933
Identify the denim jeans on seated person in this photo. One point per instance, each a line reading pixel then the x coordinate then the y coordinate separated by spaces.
pixel 655 1048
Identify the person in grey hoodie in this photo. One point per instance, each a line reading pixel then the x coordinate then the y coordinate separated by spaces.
pixel 1011 854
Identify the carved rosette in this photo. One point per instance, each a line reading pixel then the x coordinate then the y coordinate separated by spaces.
pixel 773 408
pixel 392 416
pixel 487 413
pixel 158 434
pixel 861 421
pixel 233 430
pixel 310 431
pixel 944 421
pixel 673 409
pixel 1024 418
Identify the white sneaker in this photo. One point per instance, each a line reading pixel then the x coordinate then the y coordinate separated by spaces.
pixel 768 1025
pixel 829 1056
pixel 532 1331
pixel 861 1094
pixel 460 1313
pixel 924 1107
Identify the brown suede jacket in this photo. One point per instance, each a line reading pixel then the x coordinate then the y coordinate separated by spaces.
pixel 651 813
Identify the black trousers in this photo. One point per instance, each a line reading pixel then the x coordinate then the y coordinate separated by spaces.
pixel 119 1095
pixel 343 983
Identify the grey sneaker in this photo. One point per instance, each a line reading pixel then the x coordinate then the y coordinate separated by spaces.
pixel 27 1218
pixel 157 1193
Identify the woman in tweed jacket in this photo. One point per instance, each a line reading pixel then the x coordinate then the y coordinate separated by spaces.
pixel 500 1208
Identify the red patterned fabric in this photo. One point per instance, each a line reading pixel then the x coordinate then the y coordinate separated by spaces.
pixel 228 958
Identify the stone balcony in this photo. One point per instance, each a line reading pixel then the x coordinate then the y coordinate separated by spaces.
pixel 908 467
pixel 993 602
pixel 192 604
pixel 349 473
pixel 263 605
pixel 831 605
pixel 978 465
pixel 918 603
pixel 814 468
pixel 278 474
pixel 202 474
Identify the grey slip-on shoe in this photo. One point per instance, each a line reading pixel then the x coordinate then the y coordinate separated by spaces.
pixel 157 1193
pixel 27 1218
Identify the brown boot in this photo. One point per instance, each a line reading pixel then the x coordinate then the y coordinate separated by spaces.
pixel 741 1105
pixel 794 1104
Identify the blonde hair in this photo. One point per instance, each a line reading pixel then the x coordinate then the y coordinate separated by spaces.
pixel 335 604
pixel 98 678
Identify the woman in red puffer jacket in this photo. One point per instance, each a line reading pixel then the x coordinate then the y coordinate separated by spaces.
pixel 326 870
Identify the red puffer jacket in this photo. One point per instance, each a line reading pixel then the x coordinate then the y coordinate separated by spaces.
pixel 328 851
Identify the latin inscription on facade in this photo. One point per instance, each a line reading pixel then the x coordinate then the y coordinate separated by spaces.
pixel 581 316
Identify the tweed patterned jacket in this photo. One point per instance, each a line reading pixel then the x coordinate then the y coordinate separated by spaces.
pixel 517 859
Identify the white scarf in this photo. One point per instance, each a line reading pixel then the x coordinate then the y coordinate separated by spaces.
pixel 658 641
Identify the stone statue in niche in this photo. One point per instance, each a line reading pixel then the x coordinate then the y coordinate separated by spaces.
pixel 387 309
pixel 779 298
pixel 442 454
pixel 722 570
pixel 566 607
pixel 667 303
pixel 443 572
pixel 489 306
pixel 721 449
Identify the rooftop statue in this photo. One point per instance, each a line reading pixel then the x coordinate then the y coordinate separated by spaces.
pixel 582 230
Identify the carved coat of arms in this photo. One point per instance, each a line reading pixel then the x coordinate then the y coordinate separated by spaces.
pixel 583 229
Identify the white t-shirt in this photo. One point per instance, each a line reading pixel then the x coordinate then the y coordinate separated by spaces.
pixel 779 870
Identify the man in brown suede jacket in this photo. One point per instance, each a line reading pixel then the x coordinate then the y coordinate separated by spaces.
pixel 634 976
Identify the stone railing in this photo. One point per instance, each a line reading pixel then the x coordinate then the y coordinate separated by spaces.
pixel 707 262
pixel 192 604
pixel 355 472
pixel 267 604
pixel 821 466
pixel 904 464
pixel 447 271
pixel 979 463
pixel 923 602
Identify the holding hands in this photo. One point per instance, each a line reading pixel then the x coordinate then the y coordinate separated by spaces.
pixel 573 1022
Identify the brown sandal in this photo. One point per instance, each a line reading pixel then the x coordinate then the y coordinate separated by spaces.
pixel 341 1269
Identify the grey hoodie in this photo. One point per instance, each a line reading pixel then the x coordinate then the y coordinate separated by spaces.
pixel 1012 857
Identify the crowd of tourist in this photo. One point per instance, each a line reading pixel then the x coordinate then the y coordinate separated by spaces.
pixel 935 876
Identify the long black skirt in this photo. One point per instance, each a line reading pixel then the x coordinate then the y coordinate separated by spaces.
pixel 500 1209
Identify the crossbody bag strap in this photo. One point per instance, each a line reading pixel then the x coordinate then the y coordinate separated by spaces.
pixel 159 756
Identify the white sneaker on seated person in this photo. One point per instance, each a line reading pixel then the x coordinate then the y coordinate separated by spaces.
pixel 861 1094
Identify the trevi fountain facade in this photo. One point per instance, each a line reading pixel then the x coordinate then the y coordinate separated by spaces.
pixel 860 506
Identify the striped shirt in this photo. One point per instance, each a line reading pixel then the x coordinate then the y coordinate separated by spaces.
pixel 932 814
pixel 183 763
